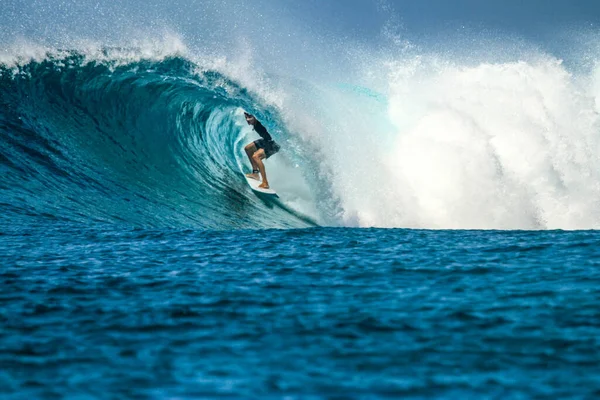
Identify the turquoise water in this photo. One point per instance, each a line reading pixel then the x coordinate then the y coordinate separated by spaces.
pixel 298 314
pixel 146 143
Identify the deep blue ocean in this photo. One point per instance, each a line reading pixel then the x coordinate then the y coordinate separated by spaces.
pixel 435 240
pixel 317 313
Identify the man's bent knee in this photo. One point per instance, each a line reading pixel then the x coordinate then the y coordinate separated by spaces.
pixel 259 155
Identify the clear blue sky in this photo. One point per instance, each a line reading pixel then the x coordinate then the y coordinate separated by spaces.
pixel 523 16
pixel 362 18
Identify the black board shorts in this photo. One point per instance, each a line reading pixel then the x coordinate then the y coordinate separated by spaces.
pixel 270 147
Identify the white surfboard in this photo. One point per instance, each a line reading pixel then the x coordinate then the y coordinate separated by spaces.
pixel 254 186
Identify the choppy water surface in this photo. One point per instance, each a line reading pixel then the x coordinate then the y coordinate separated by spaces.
pixel 314 313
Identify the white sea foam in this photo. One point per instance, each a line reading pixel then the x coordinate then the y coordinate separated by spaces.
pixel 494 146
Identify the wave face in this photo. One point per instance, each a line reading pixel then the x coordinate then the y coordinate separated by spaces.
pixel 148 142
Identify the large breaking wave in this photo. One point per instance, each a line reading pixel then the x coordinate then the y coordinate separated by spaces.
pixel 123 135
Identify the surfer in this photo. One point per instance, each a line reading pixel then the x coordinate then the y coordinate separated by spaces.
pixel 259 150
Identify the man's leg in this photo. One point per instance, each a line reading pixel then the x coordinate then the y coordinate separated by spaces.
pixel 250 151
pixel 258 158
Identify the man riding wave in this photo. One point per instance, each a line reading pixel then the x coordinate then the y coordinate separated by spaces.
pixel 259 150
